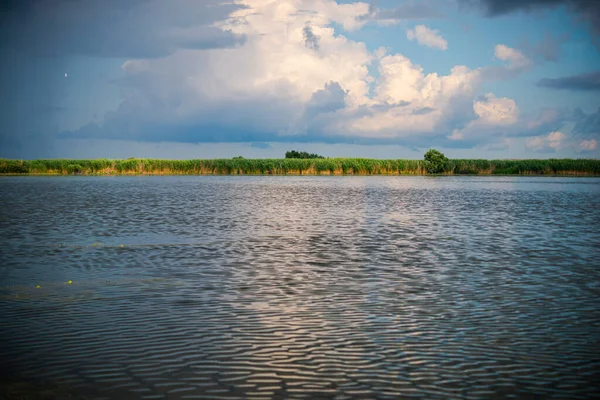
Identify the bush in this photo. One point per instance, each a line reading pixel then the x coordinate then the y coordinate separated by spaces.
pixel 13 167
pixel 435 162
pixel 74 169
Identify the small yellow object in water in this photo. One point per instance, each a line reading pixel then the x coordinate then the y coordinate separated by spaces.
pixel 121 245
pixel 38 286
pixel 70 282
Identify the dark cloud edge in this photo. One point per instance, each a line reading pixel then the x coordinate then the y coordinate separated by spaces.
pixel 589 81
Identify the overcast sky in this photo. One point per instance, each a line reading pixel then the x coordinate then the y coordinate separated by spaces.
pixel 222 78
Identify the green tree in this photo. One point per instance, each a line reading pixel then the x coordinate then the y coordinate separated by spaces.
pixel 435 162
pixel 301 154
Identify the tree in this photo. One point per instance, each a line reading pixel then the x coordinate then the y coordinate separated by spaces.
pixel 301 154
pixel 435 162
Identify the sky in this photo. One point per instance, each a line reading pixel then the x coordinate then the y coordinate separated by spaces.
pixel 254 78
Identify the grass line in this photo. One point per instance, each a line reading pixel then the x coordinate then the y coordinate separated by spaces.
pixel 326 166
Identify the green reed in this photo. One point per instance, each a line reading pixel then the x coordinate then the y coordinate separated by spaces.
pixel 330 166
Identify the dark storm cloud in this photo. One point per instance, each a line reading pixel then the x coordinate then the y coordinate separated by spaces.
pixel 500 7
pixel 38 37
pixel 113 28
pixel 30 96
pixel 16 5
pixel 588 10
pixel 583 82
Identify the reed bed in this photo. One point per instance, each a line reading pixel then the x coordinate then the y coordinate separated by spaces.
pixel 288 166
pixel 565 166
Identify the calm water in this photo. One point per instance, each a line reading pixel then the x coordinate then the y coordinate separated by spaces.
pixel 302 287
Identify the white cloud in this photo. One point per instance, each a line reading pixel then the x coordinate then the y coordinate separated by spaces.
pixel 555 139
pixel 276 52
pixel 516 59
pixel 496 111
pixel 552 142
pixel 295 76
pixel 492 112
pixel 457 134
pixel 427 37
pixel 588 145
pixel 404 11
pixel 407 101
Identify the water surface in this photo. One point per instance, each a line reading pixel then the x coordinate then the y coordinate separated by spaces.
pixel 302 287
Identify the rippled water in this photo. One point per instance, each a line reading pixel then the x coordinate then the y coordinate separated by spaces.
pixel 302 287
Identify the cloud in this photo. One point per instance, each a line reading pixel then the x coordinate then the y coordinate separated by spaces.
pixel 114 28
pixel 500 124
pixel 497 111
pixel 259 88
pixel 492 112
pixel 406 11
pixel 588 145
pixel 294 78
pixel 329 99
pixel 576 125
pixel 588 10
pixel 557 140
pixel 427 37
pixel 422 111
pixel 407 102
pixel 547 120
pixel 543 144
pixel 586 130
pixel 318 110
pixel 16 5
pixel 583 82
pixel 494 8
pixel 260 72
pixel 517 60
pixel 274 88
pixel 311 40
pixel 517 63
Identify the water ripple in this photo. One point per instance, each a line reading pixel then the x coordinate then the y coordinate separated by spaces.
pixel 292 287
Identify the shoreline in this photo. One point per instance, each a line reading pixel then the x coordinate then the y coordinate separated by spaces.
pixel 539 175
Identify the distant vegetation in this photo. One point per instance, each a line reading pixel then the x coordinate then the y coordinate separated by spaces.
pixel 301 154
pixel 337 166
pixel 435 162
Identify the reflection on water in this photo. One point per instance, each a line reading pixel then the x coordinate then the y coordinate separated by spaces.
pixel 302 287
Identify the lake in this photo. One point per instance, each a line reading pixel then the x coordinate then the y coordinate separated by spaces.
pixel 232 287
